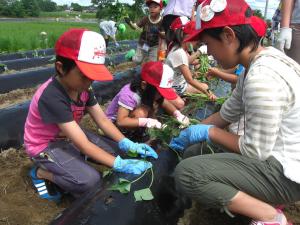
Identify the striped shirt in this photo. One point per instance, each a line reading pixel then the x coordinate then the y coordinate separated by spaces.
pixel 269 97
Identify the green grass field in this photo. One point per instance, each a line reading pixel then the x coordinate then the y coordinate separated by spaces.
pixel 21 36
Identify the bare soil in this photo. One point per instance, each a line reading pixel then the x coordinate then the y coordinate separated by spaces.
pixel 22 95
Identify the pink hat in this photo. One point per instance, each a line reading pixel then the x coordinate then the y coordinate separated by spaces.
pixel 159 2
pixel 87 49
pixel 220 13
pixel 160 76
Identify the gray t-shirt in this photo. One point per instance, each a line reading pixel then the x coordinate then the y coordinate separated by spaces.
pixel 296 13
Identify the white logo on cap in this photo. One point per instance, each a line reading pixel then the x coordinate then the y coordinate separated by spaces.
pixel 167 77
pixel 92 48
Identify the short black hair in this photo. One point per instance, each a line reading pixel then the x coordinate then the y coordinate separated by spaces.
pixel 67 64
pixel 245 34
pixel 147 95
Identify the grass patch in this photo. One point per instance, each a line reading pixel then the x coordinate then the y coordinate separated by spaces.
pixel 22 36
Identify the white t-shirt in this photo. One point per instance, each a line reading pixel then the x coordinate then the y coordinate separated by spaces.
pixel 269 97
pixel 179 8
pixel 108 27
pixel 177 57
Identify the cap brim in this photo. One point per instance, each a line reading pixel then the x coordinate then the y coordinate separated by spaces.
pixel 167 93
pixel 194 36
pixel 97 72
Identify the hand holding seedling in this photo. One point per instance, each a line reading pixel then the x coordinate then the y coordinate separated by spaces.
pixel 191 135
pixel 133 166
pixel 142 149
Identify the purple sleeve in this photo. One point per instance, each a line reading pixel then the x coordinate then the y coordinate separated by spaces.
pixel 127 99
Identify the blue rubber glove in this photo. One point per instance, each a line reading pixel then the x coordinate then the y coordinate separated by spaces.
pixel 131 165
pixel 190 135
pixel 142 149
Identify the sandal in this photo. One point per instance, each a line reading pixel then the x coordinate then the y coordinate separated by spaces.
pixel 41 187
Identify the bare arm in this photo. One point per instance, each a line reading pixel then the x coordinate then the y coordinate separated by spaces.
pixel 104 123
pixel 123 119
pixel 286 12
pixel 219 136
pixel 222 74
pixel 189 79
pixel 78 137
pixel 226 139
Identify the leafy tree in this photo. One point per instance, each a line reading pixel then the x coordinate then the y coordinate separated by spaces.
pixel 62 7
pixel 12 8
pixel 76 7
pixel 47 5
pixel 31 7
pixel 258 13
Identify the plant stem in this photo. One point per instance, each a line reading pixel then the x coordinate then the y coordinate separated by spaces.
pixel 152 177
pixel 139 177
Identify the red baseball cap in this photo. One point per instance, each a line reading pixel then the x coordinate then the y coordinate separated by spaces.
pixel 87 49
pixel 220 13
pixel 259 25
pixel 159 2
pixel 160 76
pixel 179 23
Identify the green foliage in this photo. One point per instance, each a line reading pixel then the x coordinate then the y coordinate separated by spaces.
pixel 258 13
pixel 47 5
pixel 198 101
pixel 31 7
pixel 123 186
pixel 143 195
pixel 204 66
pixel 76 7
pixel 171 128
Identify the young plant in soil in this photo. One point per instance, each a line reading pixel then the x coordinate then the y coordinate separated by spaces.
pixel 124 186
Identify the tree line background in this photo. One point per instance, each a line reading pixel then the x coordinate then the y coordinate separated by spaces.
pixel 103 9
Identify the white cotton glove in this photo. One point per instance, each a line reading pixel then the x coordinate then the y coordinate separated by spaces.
pixel 285 38
pixel 181 118
pixel 150 123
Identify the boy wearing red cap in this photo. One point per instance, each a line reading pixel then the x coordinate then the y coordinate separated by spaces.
pixel 262 169
pixel 52 135
pixel 152 30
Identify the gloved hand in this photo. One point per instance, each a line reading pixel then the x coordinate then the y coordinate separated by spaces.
pixel 131 165
pixel 130 54
pixel 142 149
pixel 285 38
pixel 149 122
pixel 190 135
pixel 117 44
pixel 181 118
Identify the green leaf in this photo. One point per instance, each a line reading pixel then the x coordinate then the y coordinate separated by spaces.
pixel 132 153
pixel 106 173
pixel 123 186
pixel 143 195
